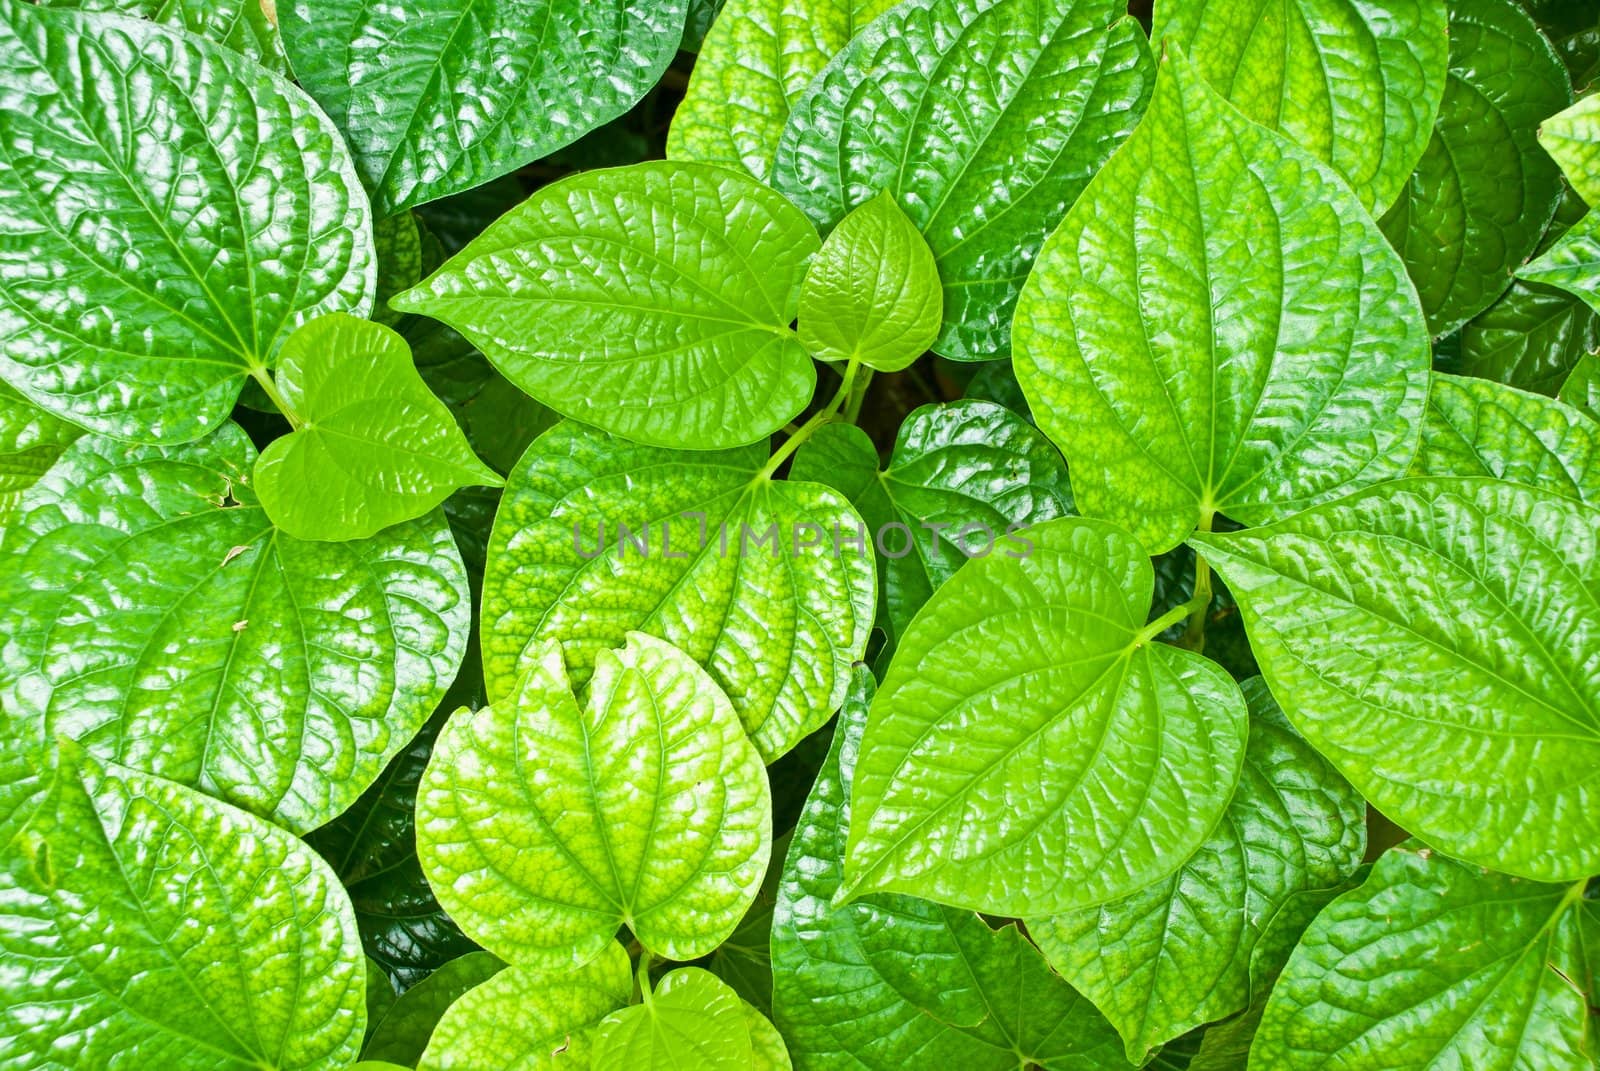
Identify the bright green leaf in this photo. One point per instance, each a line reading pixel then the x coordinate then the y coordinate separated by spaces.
pixel 201 207
pixel 756 62
pixel 652 301
pixel 961 474
pixel 1479 428
pixel 30 442
pixel 1431 963
pixel 744 960
pixel 692 1020
pixel 1356 82
pixel 440 97
pixel 984 121
pixel 372 447
pixel 1177 954
pixel 1192 337
pixel 1032 752
pixel 890 982
pixel 1433 639
pixel 150 611
pixel 738 571
pixel 1484 190
pixel 145 925
pixel 544 828
pixel 1573 263
pixel 768 1050
pixel 1582 387
pixel 242 25
pixel 403 1032
pixel 523 1020
pixel 872 293
pixel 1572 139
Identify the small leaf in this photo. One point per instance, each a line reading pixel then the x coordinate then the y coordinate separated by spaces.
pixel 30 442
pixel 1572 138
pixel 738 571
pixel 984 121
pixel 1191 337
pixel 1582 387
pixel 241 25
pixel 693 1020
pixel 524 1020
pixel 1357 83
pixel 1573 263
pixel 202 207
pixel 441 97
pixel 372 447
pixel 1479 428
pixel 1034 667
pixel 1485 592
pixel 890 982
pixel 153 613
pixel 757 60
pixel 872 293
pixel 1372 987
pixel 543 828
pixel 175 932
pixel 1484 190
pixel 1530 338
pixel 1178 953
pixel 403 1033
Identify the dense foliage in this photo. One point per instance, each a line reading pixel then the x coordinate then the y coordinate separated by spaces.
pixel 970 535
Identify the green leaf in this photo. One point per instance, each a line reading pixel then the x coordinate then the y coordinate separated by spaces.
pixel 1357 83
pixel 1479 428
pixel 756 62
pixel 744 960
pixel 1582 387
pixel 30 442
pixel 1529 338
pixel 523 1020
pixel 890 982
pixel 693 1020
pixel 1572 138
pixel 403 1033
pixel 1192 337
pixel 872 293
pixel 380 992
pixel 984 121
pixel 1483 591
pixel 1484 190
pixel 372 446
pixel 152 613
pixel 241 219
pixel 768 1049
pixel 680 280
pixel 498 419
pixel 543 828
pixel 241 25
pixel 676 544
pixel 1432 963
pixel 961 474
pixel 440 97
pixel 144 924
pixel 1177 954
pixel 1034 667
pixel 1573 263
pixel 400 262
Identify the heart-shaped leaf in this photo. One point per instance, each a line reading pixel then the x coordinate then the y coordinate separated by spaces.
pixel 203 208
pixel 653 301
pixel 543 828
pixel 441 97
pixel 1192 341
pixel 371 447
pixel 1032 751
pixel 144 924
pixel 983 155
pixel 1296 67
pixel 1487 594
pixel 1178 953
pixel 890 982
pixel 1484 190
pixel 740 572
pixel 152 612
pixel 1370 986
pixel 692 1020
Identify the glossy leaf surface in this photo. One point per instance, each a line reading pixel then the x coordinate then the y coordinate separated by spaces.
pixel 693 1020
pixel 1191 337
pixel 1032 751
pixel 202 208
pixel 1342 604
pixel 30 442
pixel 442 96
pixel 403 1032
pixel 738 571
pixel 1581 390
pixel 242 25
pixel 1356 82
pixel 152 613
pixel 544 827
pixel 984 154
pixel 680 280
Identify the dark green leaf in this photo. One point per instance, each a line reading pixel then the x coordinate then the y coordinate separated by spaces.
pixel 403 1033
